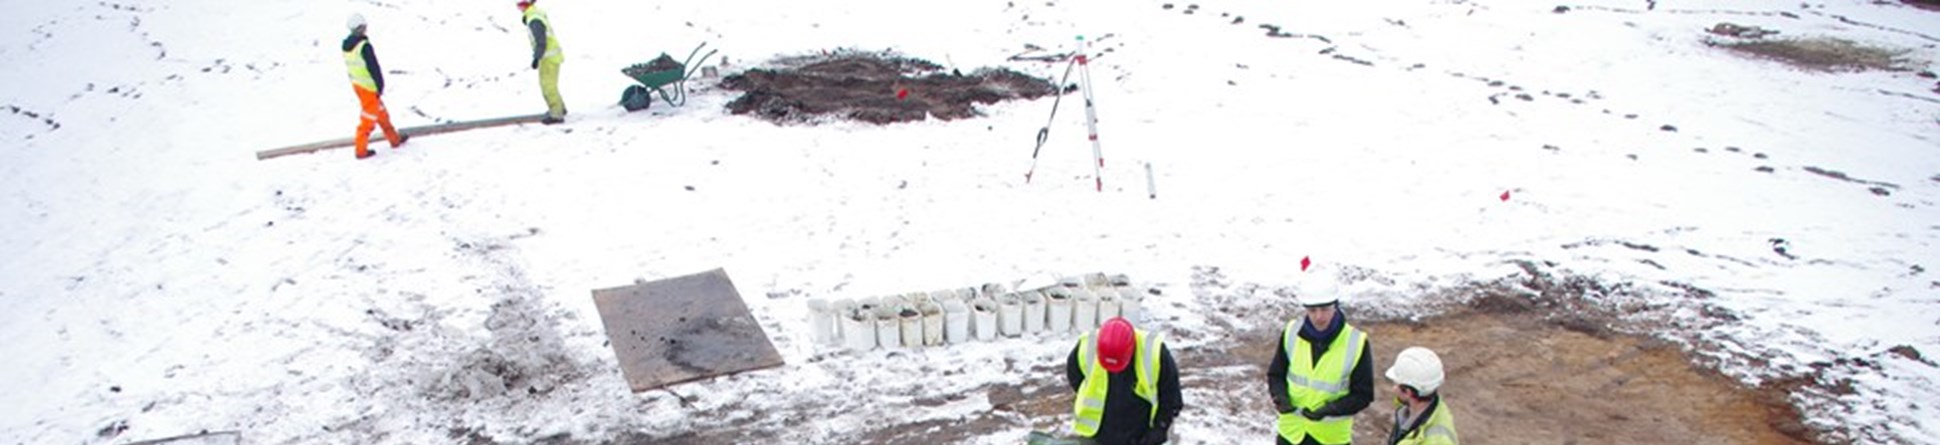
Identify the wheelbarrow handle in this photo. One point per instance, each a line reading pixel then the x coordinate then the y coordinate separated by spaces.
pixel 692 67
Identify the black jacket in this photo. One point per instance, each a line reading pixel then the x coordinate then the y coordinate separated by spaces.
pixel 370 59
pixel 1125 412
pixel 1360 383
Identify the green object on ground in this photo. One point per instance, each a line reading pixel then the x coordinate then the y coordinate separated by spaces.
pixel 663 75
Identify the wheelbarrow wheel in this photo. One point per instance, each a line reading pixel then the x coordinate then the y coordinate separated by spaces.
pixel 636 98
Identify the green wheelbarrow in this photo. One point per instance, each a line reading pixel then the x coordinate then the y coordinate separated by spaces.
pixel 662 76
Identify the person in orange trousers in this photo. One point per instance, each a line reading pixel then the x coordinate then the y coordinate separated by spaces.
pixel 368 80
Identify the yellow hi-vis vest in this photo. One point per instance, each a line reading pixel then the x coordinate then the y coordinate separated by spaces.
pixel 359 74
pixel 1311 385
pixel 1438 430
pixel 1090 406
pixel 552 41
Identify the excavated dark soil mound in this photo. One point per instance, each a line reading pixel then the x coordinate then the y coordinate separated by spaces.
pixel 875 88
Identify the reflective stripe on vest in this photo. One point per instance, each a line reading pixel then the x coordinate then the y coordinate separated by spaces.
pixel 1438 430
pixel 1090 406
pixel 1311 385
pixel 552 41
pixel 359 73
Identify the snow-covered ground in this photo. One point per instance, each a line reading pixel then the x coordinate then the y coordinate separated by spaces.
pixel 158 280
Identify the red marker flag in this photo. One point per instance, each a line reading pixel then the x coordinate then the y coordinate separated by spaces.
pixel 902 94
pixel 1505 195
pixel 1304 262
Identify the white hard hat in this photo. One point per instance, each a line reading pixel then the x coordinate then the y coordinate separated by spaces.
pixel 1317 289
pixel 356 21
pixel 1418 368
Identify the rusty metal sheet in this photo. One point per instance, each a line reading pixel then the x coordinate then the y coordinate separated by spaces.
pixel 682 329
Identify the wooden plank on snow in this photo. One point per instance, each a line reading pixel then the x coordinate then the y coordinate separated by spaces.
pixel 202 438
pixel 682 329
pixel 447 127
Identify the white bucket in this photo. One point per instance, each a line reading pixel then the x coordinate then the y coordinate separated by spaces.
pixel 889 332
pixel 818 320
pixel 956 321
pixel 940 296
pixel 1097 279
pixel 932 323
pixel 1058 310
pixel 990 290
pixel 823 325
pixel 1084 310
pixel 984 312
pixel 1094 279
pixel 838 309
pixel 1108 306
pixel 1033 312
pixel 914 299
pixel 910 321
pixel 859 328
pixel 1010 315
pixel 1130 304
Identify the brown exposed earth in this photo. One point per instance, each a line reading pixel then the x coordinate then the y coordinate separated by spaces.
pixel 1823 54
pixel 875 88
pixel 1516 380
pixel 1520 371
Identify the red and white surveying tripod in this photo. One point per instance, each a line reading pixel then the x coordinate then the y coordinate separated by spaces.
pixel 1083 63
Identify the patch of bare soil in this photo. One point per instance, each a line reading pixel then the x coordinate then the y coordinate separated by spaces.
pixel 1559 360
pixel 1515 379
pixel 1821 53
pixel 875 88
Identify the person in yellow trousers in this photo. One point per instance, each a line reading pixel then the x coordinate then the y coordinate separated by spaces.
pixel 1420 416
pixel 367 79
pixel 1127 385
pixel 546 57
pixel 1322 373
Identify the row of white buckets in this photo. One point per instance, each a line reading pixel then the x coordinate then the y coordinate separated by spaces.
pixel 972 314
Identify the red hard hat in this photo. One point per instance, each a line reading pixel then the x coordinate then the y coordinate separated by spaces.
pixel 1115 344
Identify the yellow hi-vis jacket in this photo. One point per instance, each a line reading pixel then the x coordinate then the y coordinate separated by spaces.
pixel 552 41
pixel 1090 406
pixel 1311 385
pixel 359 73
pixel 1438 430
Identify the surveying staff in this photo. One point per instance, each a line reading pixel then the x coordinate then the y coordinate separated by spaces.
pixel 546 57
pixel 1127 385
pixel 1322 373
pixel 367 79
pixel 1420 417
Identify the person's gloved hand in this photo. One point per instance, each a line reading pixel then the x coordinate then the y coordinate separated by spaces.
pixel 535 64
pixel 1311 415
pixel 1283 407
